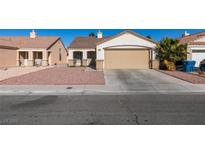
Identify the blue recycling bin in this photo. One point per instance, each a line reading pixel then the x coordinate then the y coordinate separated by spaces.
pixel 188 65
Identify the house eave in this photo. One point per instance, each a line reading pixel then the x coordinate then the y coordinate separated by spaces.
pixel 80 48
pixel 8 47
pixel 32 49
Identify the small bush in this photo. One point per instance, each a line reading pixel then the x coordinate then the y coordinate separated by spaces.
pixel 169 65
pixel 162 66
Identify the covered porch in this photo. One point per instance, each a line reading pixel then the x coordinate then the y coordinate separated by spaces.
pixel 33 58
pixel 79 57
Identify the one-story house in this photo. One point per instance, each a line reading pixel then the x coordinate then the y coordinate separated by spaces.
pixel 31 50
pixel 126 50
pixel 195 46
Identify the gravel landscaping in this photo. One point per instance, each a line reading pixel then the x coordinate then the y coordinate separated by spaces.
pixel 18 71
pixel 189 77
pixel 58 76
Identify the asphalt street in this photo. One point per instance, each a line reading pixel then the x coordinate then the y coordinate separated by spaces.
pixel 139 109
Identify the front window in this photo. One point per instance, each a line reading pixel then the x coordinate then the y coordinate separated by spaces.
pixel 60 57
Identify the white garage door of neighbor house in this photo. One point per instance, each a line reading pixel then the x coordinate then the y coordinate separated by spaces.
pixel 198 56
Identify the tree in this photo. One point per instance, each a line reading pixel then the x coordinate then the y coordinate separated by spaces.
pixel 170 51
pixel 92 34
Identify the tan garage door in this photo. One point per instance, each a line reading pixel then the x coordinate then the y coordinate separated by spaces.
pixel 126 59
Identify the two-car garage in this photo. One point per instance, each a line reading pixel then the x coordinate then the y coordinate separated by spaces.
pixel 126 59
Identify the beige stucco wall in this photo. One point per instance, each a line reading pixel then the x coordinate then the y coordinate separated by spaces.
pixel 155 64
pixel 85 62
pixel 126 59
pixel 55 53
pixel 99 64
pixel 8 57
pixel 71 62
pixel 189 55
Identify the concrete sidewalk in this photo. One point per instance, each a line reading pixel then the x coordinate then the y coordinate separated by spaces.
pixel 98 90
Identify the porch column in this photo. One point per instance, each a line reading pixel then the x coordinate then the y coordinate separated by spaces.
pixel 85 60
pixel 45 58
pixel 70 58
pixel 30 58
pixel 155 62
pixel 17 59
pixel 151 58
pixel 99 58
pixel 70 54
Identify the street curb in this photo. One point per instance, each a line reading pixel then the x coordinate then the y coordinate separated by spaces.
pixel 94 92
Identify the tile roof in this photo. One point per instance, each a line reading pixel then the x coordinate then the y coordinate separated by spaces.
pixel 86 42
pixel 7 44
pixel 27 42
pixel 189 39
pixel 91 42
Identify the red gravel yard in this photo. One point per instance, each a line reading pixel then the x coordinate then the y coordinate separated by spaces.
pixel 58 76
pixel 189 77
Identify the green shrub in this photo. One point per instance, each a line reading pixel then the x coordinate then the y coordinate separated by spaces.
pixel 169 51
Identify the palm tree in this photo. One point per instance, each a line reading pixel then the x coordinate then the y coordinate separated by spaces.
pixel 92 34
pixel 170 51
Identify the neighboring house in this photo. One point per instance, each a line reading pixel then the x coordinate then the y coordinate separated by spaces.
pixel 32 50
pixel 126 50
pixel 195 46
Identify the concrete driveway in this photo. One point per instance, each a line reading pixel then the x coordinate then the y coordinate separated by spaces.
pixel 146 80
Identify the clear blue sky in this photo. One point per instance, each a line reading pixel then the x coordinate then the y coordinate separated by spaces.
pixel 67 35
